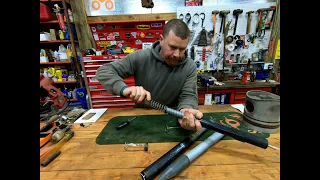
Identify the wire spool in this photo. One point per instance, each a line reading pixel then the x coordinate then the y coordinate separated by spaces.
pixel 262 111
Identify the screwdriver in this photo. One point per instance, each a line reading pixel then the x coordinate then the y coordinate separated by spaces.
pixel 123 124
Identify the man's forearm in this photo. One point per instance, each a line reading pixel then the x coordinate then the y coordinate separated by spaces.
pixel 109 79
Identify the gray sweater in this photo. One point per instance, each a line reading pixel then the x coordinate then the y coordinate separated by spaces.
pixel 172 86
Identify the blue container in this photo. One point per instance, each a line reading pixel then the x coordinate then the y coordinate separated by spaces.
pixel 261 75
pixel 81 94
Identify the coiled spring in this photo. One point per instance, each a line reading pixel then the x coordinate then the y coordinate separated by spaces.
pixel 166 109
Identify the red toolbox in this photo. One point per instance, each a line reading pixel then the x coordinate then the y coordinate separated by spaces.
pixel 99 97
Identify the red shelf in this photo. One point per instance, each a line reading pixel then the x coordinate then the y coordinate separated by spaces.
pixel 56 41
pixel 49 63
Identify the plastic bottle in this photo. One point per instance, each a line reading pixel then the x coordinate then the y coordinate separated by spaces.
pixel 56 56
pixel 62 53
pixel 70 15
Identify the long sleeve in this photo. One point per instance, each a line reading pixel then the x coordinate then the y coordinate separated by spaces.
pixel 188 97
pixel 111 75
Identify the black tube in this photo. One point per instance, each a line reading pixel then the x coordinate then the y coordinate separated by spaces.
pixel 236 134
pixel 155 168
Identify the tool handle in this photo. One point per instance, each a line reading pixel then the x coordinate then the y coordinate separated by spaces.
pixel 123 124
pixel 236 134
pixel 50 158
pixel 235 26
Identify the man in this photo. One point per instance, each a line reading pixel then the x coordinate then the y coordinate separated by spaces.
pixel 161 73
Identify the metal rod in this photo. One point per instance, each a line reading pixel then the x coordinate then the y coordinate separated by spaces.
pixel 229 131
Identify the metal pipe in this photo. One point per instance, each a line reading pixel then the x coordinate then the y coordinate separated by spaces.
pixel 155 168
pixel 185 160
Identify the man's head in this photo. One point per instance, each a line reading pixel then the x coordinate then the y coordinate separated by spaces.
pixel 174 41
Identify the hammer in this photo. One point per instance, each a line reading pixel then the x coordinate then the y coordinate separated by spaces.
pixel 236 13
pixel 223 15
pixel 214 23
pixel 249 21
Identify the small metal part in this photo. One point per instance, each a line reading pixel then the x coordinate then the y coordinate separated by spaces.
pixel 85 126
pixel 172 128
pixel 273 147
pixel 136 146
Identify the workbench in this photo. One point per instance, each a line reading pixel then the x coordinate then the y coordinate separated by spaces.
pixel 236 92
pixel 82 158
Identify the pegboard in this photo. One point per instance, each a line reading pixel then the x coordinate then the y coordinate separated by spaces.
pixel 249 51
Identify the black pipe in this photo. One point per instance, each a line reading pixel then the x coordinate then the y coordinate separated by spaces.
pixel 236 134
pixel 155 168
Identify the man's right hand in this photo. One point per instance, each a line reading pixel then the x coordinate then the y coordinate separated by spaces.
pixel 137 93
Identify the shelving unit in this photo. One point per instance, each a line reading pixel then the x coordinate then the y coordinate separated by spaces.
pixel 71 65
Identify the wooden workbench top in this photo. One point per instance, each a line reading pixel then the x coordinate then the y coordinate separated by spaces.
pixel 236 84
pixel 81 158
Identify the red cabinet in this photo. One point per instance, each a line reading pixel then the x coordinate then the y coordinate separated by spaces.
pixel 234 96
pixel 98 96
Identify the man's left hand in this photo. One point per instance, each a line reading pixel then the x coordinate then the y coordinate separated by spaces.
pixel 188 121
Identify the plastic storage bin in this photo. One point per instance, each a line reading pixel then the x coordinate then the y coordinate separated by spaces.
pixel 45 13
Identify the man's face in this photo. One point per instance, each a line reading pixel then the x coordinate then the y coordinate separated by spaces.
pixel 173 48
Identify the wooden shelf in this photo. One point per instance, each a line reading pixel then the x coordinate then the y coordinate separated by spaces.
pixel 50 22
pixel 53 22
pixel 57 63
pixel 65 82
pixel 56 41
pixel 54 1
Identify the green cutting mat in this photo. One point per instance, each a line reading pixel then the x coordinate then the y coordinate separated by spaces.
pixel 151 128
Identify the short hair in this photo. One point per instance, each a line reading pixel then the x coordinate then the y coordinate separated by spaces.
pixel 178 27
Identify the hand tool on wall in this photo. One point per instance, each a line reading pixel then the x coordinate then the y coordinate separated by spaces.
pixel 125 123
pixel 229 131
pixel 269 24
pixel 156 167
pixel 181 17
pixel 188 18
pixel 260 23
pixel 213 32
pixel 223 15
pixel 195 19
pixel 192 52
pixel 249 21
pixel 185 160
pixel 202 16
pixel 236 13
